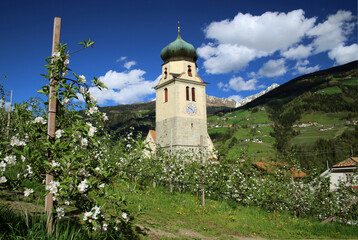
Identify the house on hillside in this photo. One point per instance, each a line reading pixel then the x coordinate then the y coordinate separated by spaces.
pixel 276 166
pixel 343 171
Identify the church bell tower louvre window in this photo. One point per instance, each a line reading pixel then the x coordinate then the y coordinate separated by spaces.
pixel 187 93
pixel 189 71
pixel 193 94
pixel 166 95
pixel 165 73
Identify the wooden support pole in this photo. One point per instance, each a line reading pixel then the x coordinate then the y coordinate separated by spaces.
pixel 51 123
pixel 202 171
pixel 8 118
pixel 354 201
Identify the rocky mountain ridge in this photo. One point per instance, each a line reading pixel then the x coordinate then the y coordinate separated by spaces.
pixel 232 103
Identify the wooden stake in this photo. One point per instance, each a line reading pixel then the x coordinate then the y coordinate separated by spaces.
pixel 51 125
pixel 354 201
pixel 202 172
pixel 8 118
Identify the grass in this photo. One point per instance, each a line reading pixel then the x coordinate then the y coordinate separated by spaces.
pixel 334 123
pixel 349 81
pixel 159 214
pixel 330 90
pixel 173 214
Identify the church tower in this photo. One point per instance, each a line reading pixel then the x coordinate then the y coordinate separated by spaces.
pixel 181 100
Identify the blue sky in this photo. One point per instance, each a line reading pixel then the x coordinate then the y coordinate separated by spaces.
pixel 243 46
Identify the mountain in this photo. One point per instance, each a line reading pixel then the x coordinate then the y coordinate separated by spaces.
pixel 312 119
pixel 212 101
pixel 253 97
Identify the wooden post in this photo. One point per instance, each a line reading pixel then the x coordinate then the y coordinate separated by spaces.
pixel 354 201
pixel 202 171
pixel 8 117
pixel 51 125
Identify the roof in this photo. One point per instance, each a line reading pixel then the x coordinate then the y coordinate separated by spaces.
pixel 154 135
pixel 274 166
pixel 179 50
pixel 349 162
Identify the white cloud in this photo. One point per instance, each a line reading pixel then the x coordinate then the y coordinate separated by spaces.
pixel 298 52
pixel 238 84
pixel 129 64
pixel 301 67
pixel 269 32
pixel 124 87
pixel 273 68
pixel 247 37
pixel 344 54
pixel 237 98
pixel 121 59
pixel 225 58
pixel 332 32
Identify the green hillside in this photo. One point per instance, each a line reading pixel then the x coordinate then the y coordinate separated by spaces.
pixel 313 119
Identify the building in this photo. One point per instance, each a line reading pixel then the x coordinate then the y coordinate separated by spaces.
pixel 343 171
pixel 181 119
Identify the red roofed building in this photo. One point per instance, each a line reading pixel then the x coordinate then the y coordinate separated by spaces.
pixel 275 166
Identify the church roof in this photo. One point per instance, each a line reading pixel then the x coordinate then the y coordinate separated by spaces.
pixel 179 50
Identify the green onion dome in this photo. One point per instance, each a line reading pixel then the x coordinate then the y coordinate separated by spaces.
pixel 179 50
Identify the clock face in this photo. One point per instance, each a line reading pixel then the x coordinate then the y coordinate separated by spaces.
pixel 191 109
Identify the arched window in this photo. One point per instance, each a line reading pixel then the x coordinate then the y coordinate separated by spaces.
pixel 189 71
pixel 166 95
pixel 193 94
pixel 187 94
pixel 165 73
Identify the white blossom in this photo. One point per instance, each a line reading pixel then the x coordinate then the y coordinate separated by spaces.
pixel 56 56
pixel 3 179
pixel 54 164
pixel 16 142
pixel 105 118
pixel 59 133
pixel 104 227
pixel 82 90
pixel 102 185
pixel 60 212
pixel 28 191
pixel 82 187
pixel 84 142
pixel 93 99
pixel 66 62
pixel 11 159
pixel 82 79
pixel 125 216
pixel 29 170
pixel 23 158
pixel 93 110
pixel 87 215
pixel 53 187
pixel 40 120
pixel 2 166
pixel 92 130
pixel 65 100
